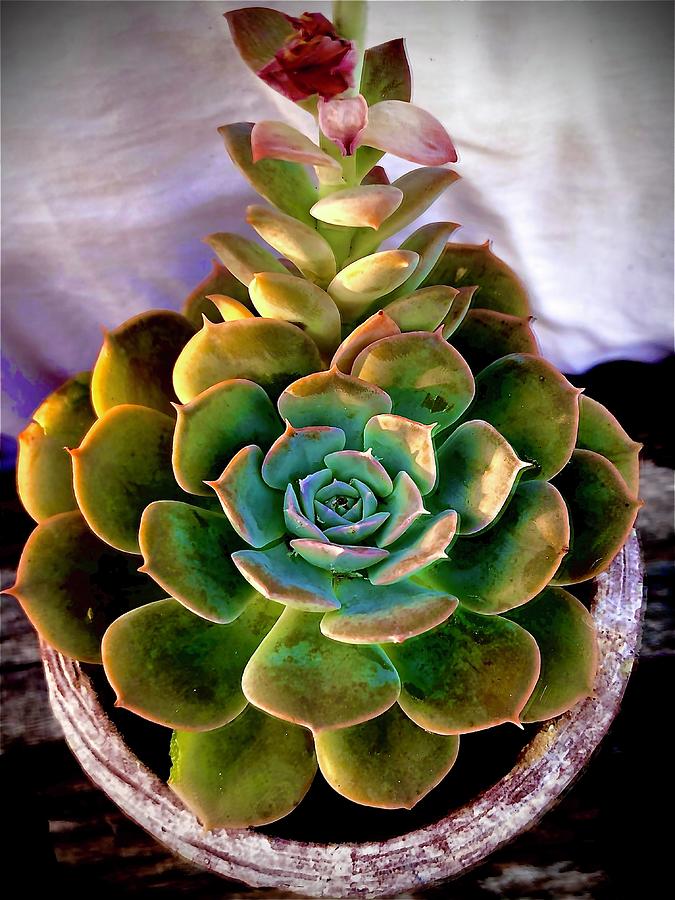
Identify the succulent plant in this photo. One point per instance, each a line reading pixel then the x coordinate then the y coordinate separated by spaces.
pixel 357 489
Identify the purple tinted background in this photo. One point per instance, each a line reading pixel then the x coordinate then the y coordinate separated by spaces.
pixel 113 170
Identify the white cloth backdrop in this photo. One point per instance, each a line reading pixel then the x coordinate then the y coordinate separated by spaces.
pixel 113 170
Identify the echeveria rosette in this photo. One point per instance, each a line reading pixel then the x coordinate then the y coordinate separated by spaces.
pixel 326 516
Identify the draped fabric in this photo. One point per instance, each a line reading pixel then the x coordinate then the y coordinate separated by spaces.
pixel 113 170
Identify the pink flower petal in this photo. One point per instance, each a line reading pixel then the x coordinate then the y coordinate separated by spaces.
pixel 408 132
pixel 343 120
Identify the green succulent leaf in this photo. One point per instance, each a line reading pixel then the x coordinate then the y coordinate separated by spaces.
pixel 187 551
pixel 296 522
pixel 485 336
pixel 427 379
pixel 458 310
pixel 71 585
pixel 387 762
pixel 533 406
pixel 333 398
pixel 300 243
pixel 253 508
pixel 252 771
pixel 285 185
pixel 215 425
pixel 280 575
pixel 296 300
pixel 423 310
pixel 602 513
pixel 376 327
pixel 359 284
pixel 178 669
pixel 420 188
pixel 270 352
pixel 462 265
pixel 244 258
pixel 505 566
pixel 122 465
pixel 301 676
pixel 564 631
pixel 402 445
pixel 366 206
pixel 349 464
pixel 341 559
pixel 370 614
pixel 44 474
pixel 428 242
pixel 404 505
pixel 386 73
pixel 219 281
pixel 477 473
pixel 470 673
pixel 601 432
pixel 298 452
pixel 424 543
pixel 258 32
pixel 385 76
pixel 136 362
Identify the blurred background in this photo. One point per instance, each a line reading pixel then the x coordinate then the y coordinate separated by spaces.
pixel 113 171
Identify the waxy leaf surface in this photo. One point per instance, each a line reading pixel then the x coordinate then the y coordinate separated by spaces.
pixel 71 585
pixel 428 242
pixel 299 675
pixel 300 243
pixel 187 551
pixel 252 771
pixel 565 634
pixel 215 425
pixel 423 310
pixel 285 185
pixel 358 285
pixel 464 265
pixel 278 574
pixel 366 206
pixel 505 566
pixel 402 445
pixel 44 474
pixel 602 513
pixel 486 336
pixel 470 673
pixel 600 431
pixel 270 352
pixel 136 362
pixel 420 188
pixel 296 300
pixel 253 508
pixel 423 544
pixel 122 465
pixel 244 258
pixel 258 32
pixel 387 762
pixel 376 327
pixel 299 452
pixel 427 379
pixel 177 669
pixel 333 398
pixel 533 406
pixel 371 614
pixel 219 281
pixel 477 472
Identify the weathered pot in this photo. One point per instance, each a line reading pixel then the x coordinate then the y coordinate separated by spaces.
pixel 446 848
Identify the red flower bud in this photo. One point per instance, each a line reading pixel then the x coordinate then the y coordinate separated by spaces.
pixel 314 60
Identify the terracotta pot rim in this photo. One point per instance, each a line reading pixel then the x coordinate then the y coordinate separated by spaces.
pixel 439 851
